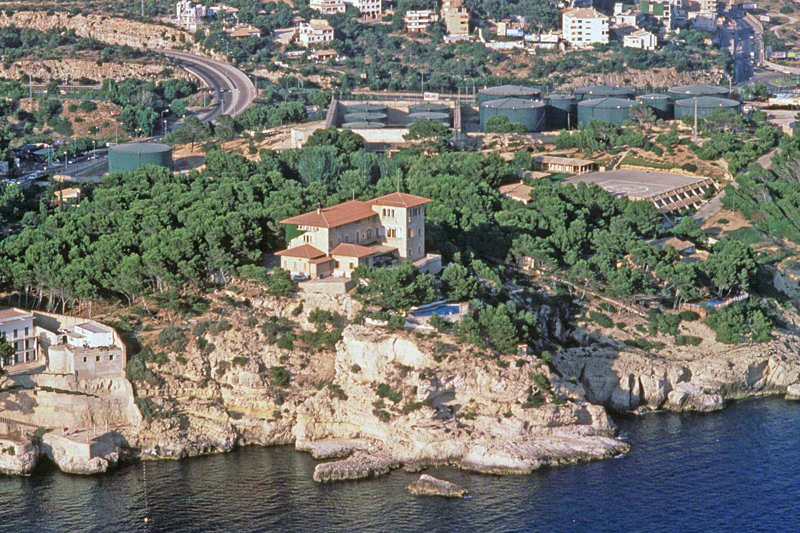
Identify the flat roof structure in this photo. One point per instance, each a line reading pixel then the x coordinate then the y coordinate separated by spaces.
pixel 667 192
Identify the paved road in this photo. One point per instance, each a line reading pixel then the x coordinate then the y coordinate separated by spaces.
pixel 234 86
pixel 742 42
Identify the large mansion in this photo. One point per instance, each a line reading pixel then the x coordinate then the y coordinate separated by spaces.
pixel 333 241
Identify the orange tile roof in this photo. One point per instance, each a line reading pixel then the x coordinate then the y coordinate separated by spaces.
pixel 334 216
pixel 304 251
pixel 399 199
pixel 516 190
pixel 353 250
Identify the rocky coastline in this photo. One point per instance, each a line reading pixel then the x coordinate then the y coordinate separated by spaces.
pixel 384 400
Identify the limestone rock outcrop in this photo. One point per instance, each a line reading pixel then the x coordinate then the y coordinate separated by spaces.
pixel 428 485
pixel 109 30
pixel 18 456
pixel 625 379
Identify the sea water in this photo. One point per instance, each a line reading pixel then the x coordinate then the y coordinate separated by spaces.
pixel 736 470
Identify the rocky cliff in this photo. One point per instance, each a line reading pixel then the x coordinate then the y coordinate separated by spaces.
pixel 71 70
pixel 109 30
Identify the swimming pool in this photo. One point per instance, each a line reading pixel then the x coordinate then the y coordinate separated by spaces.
pixel 441 309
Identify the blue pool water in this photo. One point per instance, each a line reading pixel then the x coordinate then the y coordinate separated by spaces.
pixel 734 471
pixel 443 309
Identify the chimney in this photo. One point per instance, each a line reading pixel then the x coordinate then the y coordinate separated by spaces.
pixel 319 210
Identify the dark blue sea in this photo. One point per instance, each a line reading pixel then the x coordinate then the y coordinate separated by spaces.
pixel 737 471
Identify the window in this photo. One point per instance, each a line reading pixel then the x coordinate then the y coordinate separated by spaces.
pixel 97 358
pixel 392 233
pixel 352 265
pixel 306 238
pixel 84 359
pixel 369 234
pixel 336 264
pixel 111 357
pixel 411 233
pixel 26 331
pixel 15 334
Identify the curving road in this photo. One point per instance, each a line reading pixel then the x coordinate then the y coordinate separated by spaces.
pixel 235 91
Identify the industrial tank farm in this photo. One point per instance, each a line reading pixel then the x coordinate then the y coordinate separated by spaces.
pixel 132 156
pixel 693 91
pixel 562 111
pixel 444 118
pixel 705 105
pixel 613 110
pixel 531 114
pixel 602 91
pixel 500 92
pixel 662 105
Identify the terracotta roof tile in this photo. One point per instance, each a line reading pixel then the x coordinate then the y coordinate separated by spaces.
pixel 399 199
pixel 353 250
pixel 334 216
pixel 304 251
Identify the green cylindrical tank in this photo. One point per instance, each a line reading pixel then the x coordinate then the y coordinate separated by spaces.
pixel 693 91
pixel 705 105
pixel 613 110
pixel 602 91
pixel 131 156
pixel 562 111
pixel 444 118
pixel 429 108
pixel 661 104
pixel 363 125
pixel 365 108
pixel 365 117
pixel 529 113
pixel 508 91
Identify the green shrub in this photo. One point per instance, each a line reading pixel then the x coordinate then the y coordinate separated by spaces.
pixel 382 415
pixel 601 319
pixel 160 358
pixel 320 316
pixel 173 339
pixel 222 367
pixel 410 407
pixel 533 401
pixel 219 326
pixel 384 391
pixel 286 341
pixel 241 361
pixel 541 382
pixel 280 377
pixel 687 340
pixel 337 391
pixel 605 306
pixel 688 316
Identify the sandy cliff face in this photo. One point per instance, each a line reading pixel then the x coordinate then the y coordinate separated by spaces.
pixel 110 30
pixel 70 70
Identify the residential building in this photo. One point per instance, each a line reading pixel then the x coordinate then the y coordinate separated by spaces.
pixel 584 26
pixel 566 165
pixel 189 15
pixel 16 327
pixel 85 350
pixel 62 344
pixel 625 15
pixel 641 39
pixel 243 31
pixel 71 196
pixel 418 20
pixel 317 31
pixel 327 7
pixel 370 9
pixel 516 191
pixel 334 241
pixel 667 12
pixel 324 55
pixel 455 17
pixel 708 7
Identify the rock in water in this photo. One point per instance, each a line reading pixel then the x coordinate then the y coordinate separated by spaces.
pixel 430 486
pixel 793 391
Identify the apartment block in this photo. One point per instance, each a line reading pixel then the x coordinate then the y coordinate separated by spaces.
pixel 585 26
